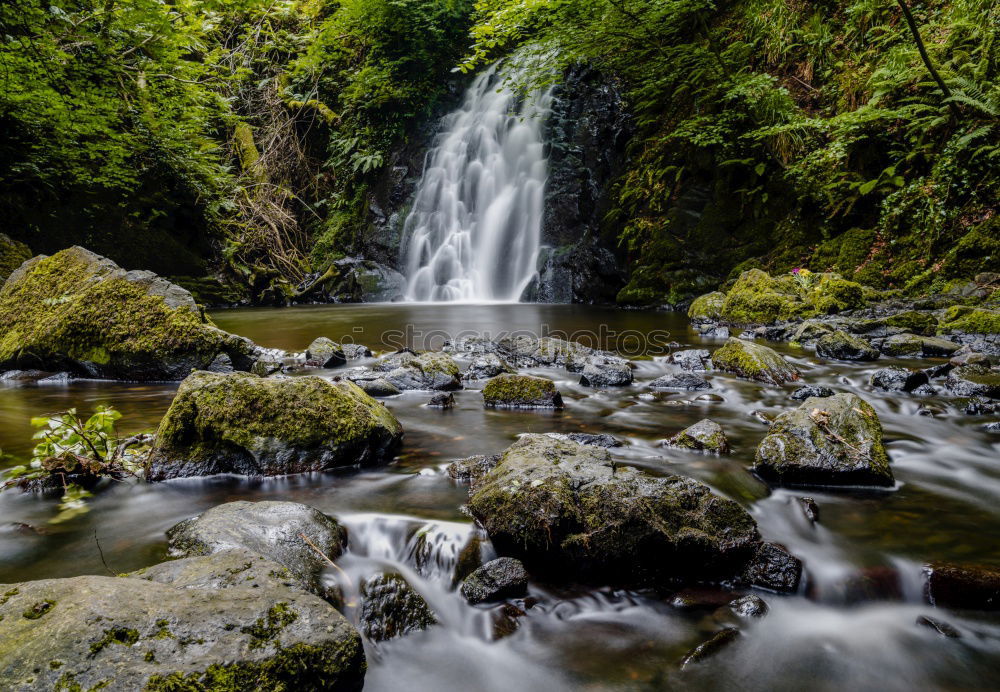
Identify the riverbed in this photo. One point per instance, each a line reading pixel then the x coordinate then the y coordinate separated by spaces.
pixel 853 624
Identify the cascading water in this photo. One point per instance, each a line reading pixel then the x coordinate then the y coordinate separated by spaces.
pixel 473 231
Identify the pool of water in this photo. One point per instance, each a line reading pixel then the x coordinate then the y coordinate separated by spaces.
pixel 833 635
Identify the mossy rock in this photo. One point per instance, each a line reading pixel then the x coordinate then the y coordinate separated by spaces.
pixel 901 345
pixel 833 440
pixel 13 254
pixel 79 312
pixel 977 251
pixel 756 299
pixel 133 634
pixel 704 436
pixel 922 323
pixel 569 511
pixel 840 345
pixel 968 320
pixel 707 308
pixel 431 370
pixel 521 391
pixel 832 294
pixel 241 423
pixel 391 608
pixel 753 362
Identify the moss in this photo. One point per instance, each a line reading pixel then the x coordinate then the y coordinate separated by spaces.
pixel 756 298
pixel 977 251
pixel 38 609
pixel 640 296
pixel 833 294
pixel 163 630
pixel 55 665
pixel 121 636
pixel 267 628
pixel 707 307
pixel 753 362
pixel 970 320
pixel 521 390
pixel 149 657
pixel 13 253
pixel 912 321
pixel 433 362
pixel 9 595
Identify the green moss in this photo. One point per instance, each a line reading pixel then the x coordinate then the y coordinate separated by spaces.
pixel 9 595
pixel 707 307
pixel 121 636
pixel 163 630
pixel 433 362
pixel 756 298
pixel 55 665
pixel 753 362
pixel 519 390
pixel 12 254
pixel 641 296
pixel 267 628
pixel 833 294
pixel 970 320
pixel 912 321
pixel 977 251
pixel 39 609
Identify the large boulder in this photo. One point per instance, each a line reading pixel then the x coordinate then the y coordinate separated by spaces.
pixel 605 372
pixel 974 380
pixel 898 379
pixel 325 352
pixel 390 608
pixel 913 345
pixel 13 254
pixel 521 391
pixel 274 530
pixel 487 365
pixel 79 312
pixel 245 424
pixel 843 346
pixel 570 510
pixel 429 370
pixel 753 362
pixel 685 381
pixel 833 440
pixel 131 634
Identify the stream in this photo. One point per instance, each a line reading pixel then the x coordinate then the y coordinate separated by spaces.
pixel 852 625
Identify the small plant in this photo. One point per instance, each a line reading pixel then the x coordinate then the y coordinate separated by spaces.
pixel 805 278
pixel 75 454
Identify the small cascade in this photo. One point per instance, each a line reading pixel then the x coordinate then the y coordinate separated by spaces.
pixel 473 231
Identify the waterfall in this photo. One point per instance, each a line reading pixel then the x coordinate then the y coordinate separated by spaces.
pixel 473 231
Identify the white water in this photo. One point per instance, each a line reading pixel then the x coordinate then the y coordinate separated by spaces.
pixel 473 231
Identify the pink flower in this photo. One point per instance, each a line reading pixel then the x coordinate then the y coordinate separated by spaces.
pixel 796 270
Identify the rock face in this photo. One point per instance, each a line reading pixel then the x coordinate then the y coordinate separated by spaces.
pixel 391 608
pixel 753 362
pixel 568 509
pixel 90 632
pixel 704 436
pixel 81 313
pixel 773 568
pixel 271 529
pixel 833 440
pixel 521 391
pixel 365 281
pixel 897 379
pixel 244 424
pixel 692 359
pixel 843 346
pixel 498 579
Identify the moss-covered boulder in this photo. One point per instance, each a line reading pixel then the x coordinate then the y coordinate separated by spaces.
pixel 82 313
pixel 521 391
pixel 707 308
pixel 961 319
pixel 974 380
pixel 901 345
pixel 757 298
pixel 753 362
pixel 833 440
pixel 840 345
pixel 13 254
pixel 569 510
pixel 390 608
pixel 272 529
pixel 431 370
pixel 325 352
pixel 241 423
pixel 704 436
pixel 89 633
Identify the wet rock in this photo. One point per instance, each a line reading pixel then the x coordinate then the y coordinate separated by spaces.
pixel 429 370
pixel 235 567
pixel 704 436
pixel 762 416
pixel 993 426
pixel 486 366
pixel 390 608
pixel 707 308
pixel 442 400
pixel 974 380
pixel 528 351
pixel 711 398
pixel 472 468
pixel 271 529
pixel 966 356
pixel 843 346
pixel 700 598
pixel 596 439
pixel 355 351
pixel 470 558
pixel 810 510
pixel 897 379
pixel 810 331
pixel 939 626
pixel 521 391
pixel 365 281
pixel 979 406
pixel 749 606
pixel 326 353
pixel 695 359
pixel 81 313
pixel 570 510
pixel 772 567
pixel 826 441
pixel 913 345
pixel 131 634
pixel 753 362
pixel 809 390
pixel 377 387
pixel 601 372
pixel 956 586
pixel 498 579
pixel 506 620
pixel 711 646
pixel 244 424
pixel 685 381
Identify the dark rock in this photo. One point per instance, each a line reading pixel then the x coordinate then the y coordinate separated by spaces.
pixel 749 606
pixel 970 587
pixel 762 416
pixel 704 436
pixel 498 579
pixel 429 370
pixel 685 381
pixel 993 426
pixel 365 281
pixel 596 439
pixel 506 620
pixel 521 391
pixel 772 567
pixel 390 608
pixel 485 366
pixel 702 597
pixel 939 626
pixel 472 468
pixel 843 346
pixel 809 390
pixel 244 424
pixel 271 529
pixel 711 646
pixel 579 273
pixel 601 372
pixel 569 509
pixel 913 345
pixel 974 380
pixel 377 387
pixel 326 353
pixel 809 509
pixel 979 406
pixel 355 351
pixel 470 558
pixel 897 379
pixel 753 362
pixel 695 359
pixel 826 441
pixel 442 400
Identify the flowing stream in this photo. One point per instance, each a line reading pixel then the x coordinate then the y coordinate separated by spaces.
pixel 473 231
pixel 853 625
